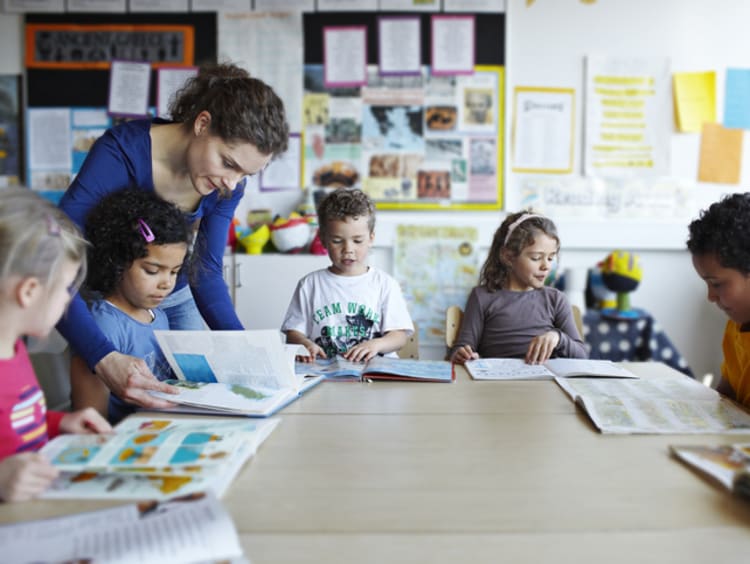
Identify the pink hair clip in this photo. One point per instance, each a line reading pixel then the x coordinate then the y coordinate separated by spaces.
pixel 145 231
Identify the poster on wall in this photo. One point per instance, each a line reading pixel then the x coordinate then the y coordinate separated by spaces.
pixel 57 142
pixel 411 141
pixel 10 141
pixel 437 266
pixel 628 120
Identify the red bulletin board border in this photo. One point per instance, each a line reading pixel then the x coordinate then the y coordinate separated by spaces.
pixel 32 29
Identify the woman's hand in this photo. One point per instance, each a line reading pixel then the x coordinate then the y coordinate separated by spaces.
pixel 130 378
pixel 541 347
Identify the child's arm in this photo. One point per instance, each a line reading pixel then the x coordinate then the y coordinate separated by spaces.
pixel 364 351
pixel 570 343
pixel 297 338
pixel 84 421
pixel 86 389
pixel 470 332
pixel 23 476
pixel 542 346
pixel 463 353
pixel 725 389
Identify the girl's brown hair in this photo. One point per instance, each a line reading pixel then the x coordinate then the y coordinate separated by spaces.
pixel 495 271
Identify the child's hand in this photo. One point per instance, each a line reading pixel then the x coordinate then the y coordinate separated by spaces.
pixel 541 347
pixel 314 351
pixel 23 476
pixel 84 421
pixel 362 352
pixel 462 354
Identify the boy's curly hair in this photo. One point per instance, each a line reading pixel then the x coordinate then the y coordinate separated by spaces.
pixel 724 230
pixel 117 237
pixel 343 203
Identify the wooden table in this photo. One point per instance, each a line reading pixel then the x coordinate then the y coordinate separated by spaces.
pixel 470 472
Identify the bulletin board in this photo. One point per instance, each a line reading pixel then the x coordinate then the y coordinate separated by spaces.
pixel 80 76
pixel 67 64
pixel 412 141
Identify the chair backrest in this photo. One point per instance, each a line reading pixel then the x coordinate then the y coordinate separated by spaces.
pixel 578 318
pixel 453 317
pixel 411 348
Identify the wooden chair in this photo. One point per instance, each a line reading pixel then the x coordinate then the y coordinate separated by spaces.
pixel 578 319
pixel 454 315
pixel 411 348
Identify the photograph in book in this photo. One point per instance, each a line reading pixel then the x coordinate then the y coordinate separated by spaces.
pixel 655 406
pixel 518 369
pixel 727 464
pixel 248 373
pixel 154 458
pixel 379 368
pixel 206 533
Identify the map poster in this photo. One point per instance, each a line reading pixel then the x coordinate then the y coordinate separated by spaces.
pixel 436 266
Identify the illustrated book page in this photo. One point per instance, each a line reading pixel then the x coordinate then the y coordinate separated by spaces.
pixel 154 458
pixel 379 368
pixel 232 372
pixel 655 406
pixel 518 369
pixel 727 464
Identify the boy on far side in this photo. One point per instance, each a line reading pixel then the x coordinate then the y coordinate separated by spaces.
pixel 719 243
pixel 350 308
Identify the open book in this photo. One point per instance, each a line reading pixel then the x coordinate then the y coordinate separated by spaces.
pixel 518 369
pixel 205 533
pixel 656 406
pixel 727 464
pixel 247 373
pixel 379 368
pixel 154 458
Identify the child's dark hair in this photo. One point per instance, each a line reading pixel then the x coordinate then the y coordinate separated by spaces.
pixel 518 231
pixel 118 228
pixel 343 203
pixel 724 230
pixel 242 108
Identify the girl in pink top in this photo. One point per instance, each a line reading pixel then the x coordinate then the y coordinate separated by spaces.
pixel 42 261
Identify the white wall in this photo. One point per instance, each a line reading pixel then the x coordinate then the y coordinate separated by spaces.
pixel 11 44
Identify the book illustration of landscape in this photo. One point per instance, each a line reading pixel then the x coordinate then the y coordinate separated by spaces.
pixel 248 373
pixel 154 458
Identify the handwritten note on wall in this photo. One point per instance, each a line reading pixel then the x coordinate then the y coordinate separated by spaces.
pixel 694 99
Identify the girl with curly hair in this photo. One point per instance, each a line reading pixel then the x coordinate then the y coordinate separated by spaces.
pixel 719 242
pixel 139 245
pixel 512 314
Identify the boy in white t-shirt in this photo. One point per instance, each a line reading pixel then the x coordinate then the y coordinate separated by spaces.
pixel 348 309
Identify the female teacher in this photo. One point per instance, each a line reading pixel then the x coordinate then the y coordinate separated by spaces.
pixel 225 126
